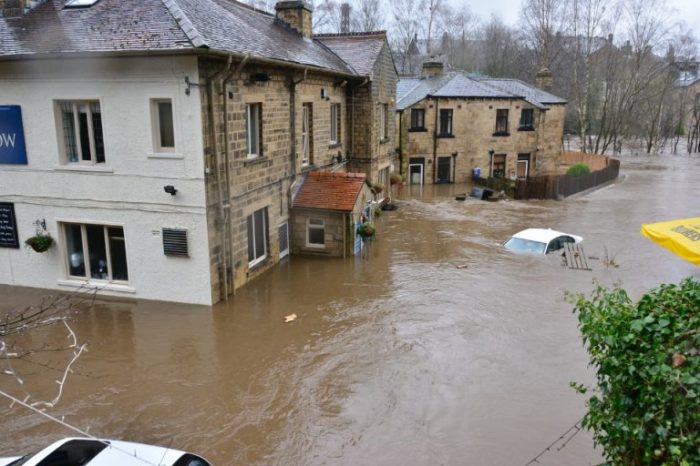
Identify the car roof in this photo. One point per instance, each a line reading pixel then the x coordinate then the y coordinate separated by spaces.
pixel 119 453
pixel 542 235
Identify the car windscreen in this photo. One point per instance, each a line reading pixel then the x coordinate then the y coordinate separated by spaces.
pixel 525 245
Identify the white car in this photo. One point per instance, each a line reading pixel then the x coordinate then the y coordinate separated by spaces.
pixel 99 452
pixel 540 241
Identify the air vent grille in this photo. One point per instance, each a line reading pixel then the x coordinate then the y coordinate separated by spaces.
pixel 175 242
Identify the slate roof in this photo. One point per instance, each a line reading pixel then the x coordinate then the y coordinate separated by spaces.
pixel 330 191
pixel 457 84
pixel 361 50
pixel 161 25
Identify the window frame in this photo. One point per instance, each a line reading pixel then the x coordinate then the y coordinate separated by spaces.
pixel 384 122
pixel 523 126
pixel 158 146
pixel 258 130
pixel 335 135
pixel 414 119
pixel 266 237
pixel 502 115
pixel 310 227
pixel 86 252
pixel 446 122
pixel 76 105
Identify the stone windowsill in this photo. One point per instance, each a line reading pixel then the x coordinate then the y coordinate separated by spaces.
pixel 97 286
pixel 256 161
pixel 79 167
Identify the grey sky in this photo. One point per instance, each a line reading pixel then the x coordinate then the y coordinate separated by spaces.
pixel 687 10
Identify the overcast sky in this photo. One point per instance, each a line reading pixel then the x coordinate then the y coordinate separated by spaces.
pixel 688 10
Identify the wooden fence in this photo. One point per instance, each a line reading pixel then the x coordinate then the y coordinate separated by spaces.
pixel 552 186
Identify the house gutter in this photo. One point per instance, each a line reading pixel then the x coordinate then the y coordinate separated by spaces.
pixel 210 86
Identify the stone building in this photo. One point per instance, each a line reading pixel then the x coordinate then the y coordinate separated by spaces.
pixel 451 123
pixel 167 139
pixel 327 211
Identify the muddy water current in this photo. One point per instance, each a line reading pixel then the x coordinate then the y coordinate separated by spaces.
pixel 435 347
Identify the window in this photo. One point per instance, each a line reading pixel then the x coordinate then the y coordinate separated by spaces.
pixel 445 122
pixel 527 119
pixel 335 123
pixel 254 129
pixel 81 131
pixel 384 122
pixel 417 119
pixel 163 126
pixel 498 166
pixel 96 252
pixel 315 233
pixel 257 237
pixel 307 148
pixel 501 122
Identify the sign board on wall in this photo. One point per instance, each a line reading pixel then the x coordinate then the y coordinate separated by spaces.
pixel 8 226
pixel 12 147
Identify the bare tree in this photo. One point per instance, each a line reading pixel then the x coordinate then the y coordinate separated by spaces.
pixel 368 15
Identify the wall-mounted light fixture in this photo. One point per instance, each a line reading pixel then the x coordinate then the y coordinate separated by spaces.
pixel 170 189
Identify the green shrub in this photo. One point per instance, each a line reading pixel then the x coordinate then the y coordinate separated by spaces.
pixel 578 169
pixel 645 409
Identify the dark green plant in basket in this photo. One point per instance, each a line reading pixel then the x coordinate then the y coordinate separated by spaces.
pixel 40 242
pixel 367 231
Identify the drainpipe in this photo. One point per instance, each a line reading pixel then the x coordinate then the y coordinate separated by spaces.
pixel 435 133
pixel 228 254
pixel 212 135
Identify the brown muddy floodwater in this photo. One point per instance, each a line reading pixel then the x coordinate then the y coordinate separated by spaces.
pixel 399 357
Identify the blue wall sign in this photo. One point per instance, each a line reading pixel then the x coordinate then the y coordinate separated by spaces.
pixel 12 148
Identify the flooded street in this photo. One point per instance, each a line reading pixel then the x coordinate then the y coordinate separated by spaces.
pixel 435 347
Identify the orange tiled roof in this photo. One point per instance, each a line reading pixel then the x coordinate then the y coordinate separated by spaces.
pixel 330 191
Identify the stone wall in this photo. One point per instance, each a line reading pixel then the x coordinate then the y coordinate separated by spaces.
pixel 474 140
pixel 370 153
pixel 238 186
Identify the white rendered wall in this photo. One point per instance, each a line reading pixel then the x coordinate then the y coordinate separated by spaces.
pixel 127 190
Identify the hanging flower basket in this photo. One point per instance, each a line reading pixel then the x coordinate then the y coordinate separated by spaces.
pixel 39 242
pixel 367 231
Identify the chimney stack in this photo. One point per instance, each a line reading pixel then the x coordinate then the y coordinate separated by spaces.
pixel 345 18
pixel 544 79
pixel 297 14
pixel 433 68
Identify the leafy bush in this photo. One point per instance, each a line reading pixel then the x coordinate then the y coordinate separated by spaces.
pixel 646 409
pixel 578 169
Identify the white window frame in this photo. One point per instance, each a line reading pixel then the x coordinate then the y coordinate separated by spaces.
pixel 384 121
pixel 257 260
pixel 254 126
pixel 306 134
pixel 76 105
pixel 310 226
pixel 155 124
pixel 335 123
pixel 86 252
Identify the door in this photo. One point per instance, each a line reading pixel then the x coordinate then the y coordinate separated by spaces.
pixel 444 170
pixel 415 170
pixel 523 166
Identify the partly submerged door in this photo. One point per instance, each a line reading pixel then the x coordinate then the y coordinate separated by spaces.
pixel 444 170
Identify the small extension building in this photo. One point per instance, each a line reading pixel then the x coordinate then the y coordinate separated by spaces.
pixel 451 123
pixel 161 143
